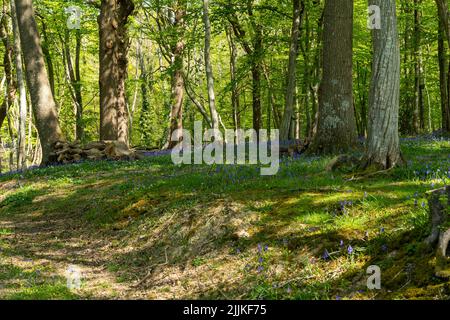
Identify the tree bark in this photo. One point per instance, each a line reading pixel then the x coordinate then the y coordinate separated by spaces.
pixel 21 145
pixel 209 69
pixel 11 85
pixel 285 127
pixel 383 147
pixel 178 85
pixel 443 66
pixel 336 129
pixel 44 107
pixel 419 108
pixel 235 94
pixel 254 51
pixel 113 52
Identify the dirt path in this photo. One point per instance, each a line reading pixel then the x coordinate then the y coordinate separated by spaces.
pixel 44 247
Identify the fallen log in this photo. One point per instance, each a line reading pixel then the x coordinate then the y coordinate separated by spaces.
pixel 65 152
pixel 439 238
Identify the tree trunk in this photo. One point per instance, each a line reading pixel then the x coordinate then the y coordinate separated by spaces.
pixel 74 76
pixel 255 53
pixel 419 108
pixel 292 72
pixel 21 145
pixel 209 69
pixel 178 85
pixel 336 130
pixel 44 107
pixel 11 85
pixel 113 51
pixel 443 65
pixel 77 87
pixel 234 85
pixel 383 147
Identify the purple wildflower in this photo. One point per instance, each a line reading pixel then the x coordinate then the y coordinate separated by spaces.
pixel 350 249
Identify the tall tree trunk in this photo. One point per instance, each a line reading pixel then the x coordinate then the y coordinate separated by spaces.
pixel 256 68
pixel 235 101
pixel 44 107
pixel 21 145
pixel 443 65
pixel 113 52
pixel 336 131
pixel 48 56
pixel 11 85
pixel 444 15
pixel 77 87
pixel 383 147
pixel 419 108
pixel 178 85
pixel 74 76
pixel 255 52
pixel 292 71
pixel 209 69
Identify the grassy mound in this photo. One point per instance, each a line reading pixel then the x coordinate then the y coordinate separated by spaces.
pixel 150 229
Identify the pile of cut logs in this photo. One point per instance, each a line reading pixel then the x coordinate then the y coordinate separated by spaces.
pixel 66 152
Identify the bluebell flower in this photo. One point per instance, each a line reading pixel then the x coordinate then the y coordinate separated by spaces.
pixel 384 247
pixel 350 249
pixel 341 243
pixel 326 255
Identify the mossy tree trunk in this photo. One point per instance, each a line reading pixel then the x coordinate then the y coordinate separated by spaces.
pixel 336 128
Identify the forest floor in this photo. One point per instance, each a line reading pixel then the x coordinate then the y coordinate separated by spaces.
pixel 152 230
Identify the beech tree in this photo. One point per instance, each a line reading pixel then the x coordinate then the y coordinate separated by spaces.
pixel 44 106
pixel 383 146
pixel 336 128
pixel 113 51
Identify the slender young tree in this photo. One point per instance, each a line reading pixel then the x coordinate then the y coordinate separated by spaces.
pixel 286 122
pixel 209 69
pixel 44 106
pixel 383 146
pixel 336 128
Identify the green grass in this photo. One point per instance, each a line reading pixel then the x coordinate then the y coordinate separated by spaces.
pixel 202 225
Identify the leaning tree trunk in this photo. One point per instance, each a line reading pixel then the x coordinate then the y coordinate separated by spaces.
pixel 44 107
pixel 336 128
pixel 285 126
pixel 383 147
pixel 113 52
